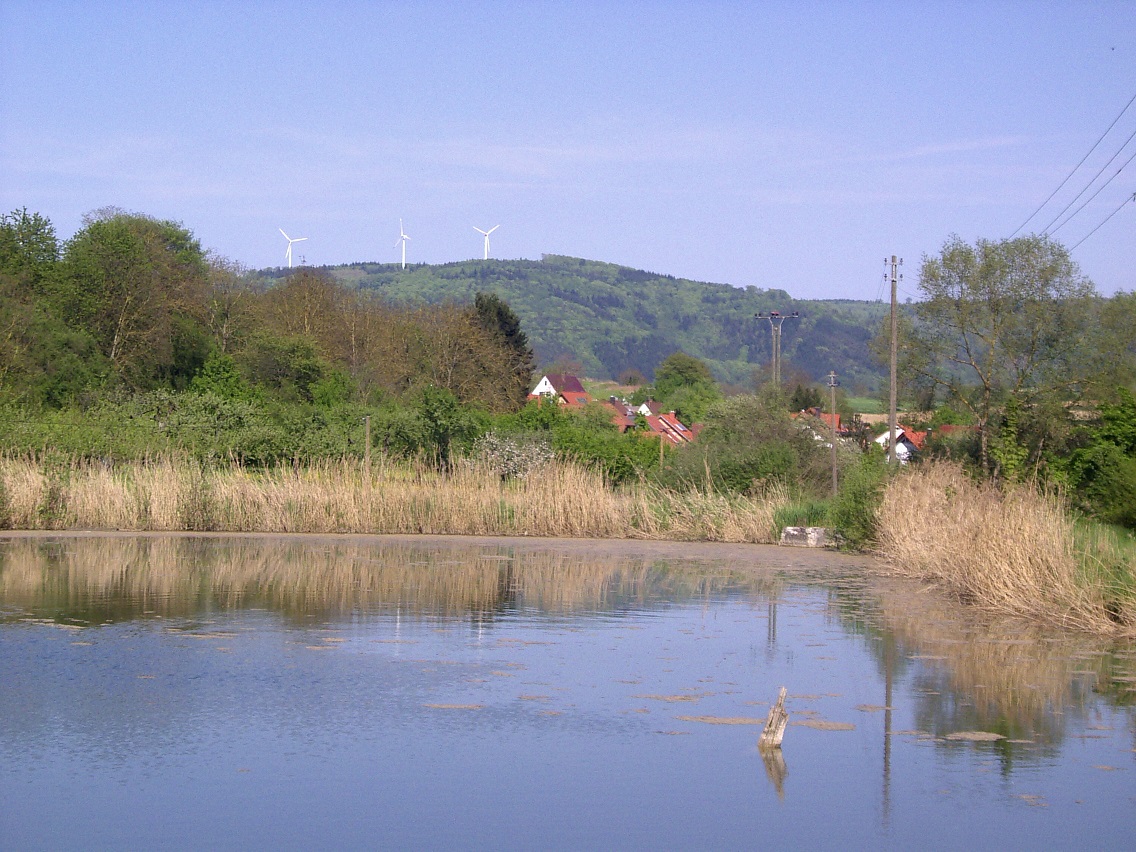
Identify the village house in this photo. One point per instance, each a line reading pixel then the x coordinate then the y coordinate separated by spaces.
pixel 563 388
pixel 908 442
pixel 665 424
pixel 568 390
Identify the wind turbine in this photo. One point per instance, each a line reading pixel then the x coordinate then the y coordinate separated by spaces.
pixel 402 238
pixel 288 254
pixel 486 234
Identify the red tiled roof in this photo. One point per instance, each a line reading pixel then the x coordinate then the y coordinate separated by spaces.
pixel 573 398
pixel 623 415
pixel 669 428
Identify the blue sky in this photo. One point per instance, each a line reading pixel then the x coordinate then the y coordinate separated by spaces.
pixel 787 145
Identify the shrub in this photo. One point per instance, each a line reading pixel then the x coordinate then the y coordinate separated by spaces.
pixel 855 511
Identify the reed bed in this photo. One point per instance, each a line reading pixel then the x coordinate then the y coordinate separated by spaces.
pixel 561 499
pixel 1012 552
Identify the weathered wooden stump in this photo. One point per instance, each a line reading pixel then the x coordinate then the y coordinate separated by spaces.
pixel 775 725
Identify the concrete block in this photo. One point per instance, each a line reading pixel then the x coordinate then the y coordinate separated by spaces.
pixel 808 537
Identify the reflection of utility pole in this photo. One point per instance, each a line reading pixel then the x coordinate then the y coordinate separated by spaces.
pixel 771 629
pixel 889 666
pixel 894 359
pixel 832 414
pixel 776 318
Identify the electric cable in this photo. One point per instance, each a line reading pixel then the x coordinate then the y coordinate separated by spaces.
pixel 1094 195
pixel 1060 185
pixel 1106 218
pixel 1045 230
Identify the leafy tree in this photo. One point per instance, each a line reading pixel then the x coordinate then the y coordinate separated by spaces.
pixel 219 376
pixel 29 249
pixel 685 384
pixel 681 370
pixel 445 424
pixel 288 366
pixel 1103 470
pixel 229 303
pixel 803 398
pixel 1002 320
pixel 136 284
pixel 499 320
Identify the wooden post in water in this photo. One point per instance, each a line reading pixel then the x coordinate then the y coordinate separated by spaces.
pixel 775 725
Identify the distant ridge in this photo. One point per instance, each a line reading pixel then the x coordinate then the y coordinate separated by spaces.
pixel 613 318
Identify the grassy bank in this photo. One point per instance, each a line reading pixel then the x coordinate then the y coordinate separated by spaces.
pixel 1016 552
pixel 561 499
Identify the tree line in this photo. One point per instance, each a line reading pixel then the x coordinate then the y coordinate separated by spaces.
pixel 134 304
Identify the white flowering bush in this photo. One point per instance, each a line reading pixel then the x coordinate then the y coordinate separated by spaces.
pixel 510 456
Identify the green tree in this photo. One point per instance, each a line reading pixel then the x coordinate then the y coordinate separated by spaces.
pixel 502 323
pixel 219 376
pixel 29 250
pixel 137 285
pixel 1002 320
pixel 681 370
pixel 804 398
pixel 685 384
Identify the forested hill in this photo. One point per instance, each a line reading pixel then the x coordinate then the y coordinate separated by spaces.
pixel 612 318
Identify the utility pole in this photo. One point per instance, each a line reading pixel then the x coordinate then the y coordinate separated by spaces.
pixel 776 319
pixel 832 413
pixel 895 264
pixel 367 446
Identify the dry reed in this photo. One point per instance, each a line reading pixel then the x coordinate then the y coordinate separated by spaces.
pixel 560 499
pixel 1011 552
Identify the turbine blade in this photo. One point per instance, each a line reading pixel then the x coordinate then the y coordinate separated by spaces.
pixel 479 230
pixel 299 239
pixel 281 230
pixel 491 230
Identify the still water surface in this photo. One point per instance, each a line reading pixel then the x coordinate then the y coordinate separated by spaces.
pixel 218 692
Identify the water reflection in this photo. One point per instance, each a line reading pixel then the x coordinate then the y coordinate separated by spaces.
pixel 966 673
pixel 533 649
pixel 105 579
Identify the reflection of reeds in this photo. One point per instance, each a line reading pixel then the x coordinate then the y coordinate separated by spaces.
pixel 181 575
pixel 1011 552
pixel 562 499
pixel 995 675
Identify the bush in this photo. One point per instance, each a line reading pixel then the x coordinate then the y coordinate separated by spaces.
pixel 855 511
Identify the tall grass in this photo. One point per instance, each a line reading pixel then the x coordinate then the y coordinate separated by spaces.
pixel 1014 552
pixel 337 496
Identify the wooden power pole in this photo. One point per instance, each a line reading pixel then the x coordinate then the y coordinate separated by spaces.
pixel 892 426
pixel 832 413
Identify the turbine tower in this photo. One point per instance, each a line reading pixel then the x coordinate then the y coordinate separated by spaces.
pixel 486 235
pixel 288 254
pixel 402 238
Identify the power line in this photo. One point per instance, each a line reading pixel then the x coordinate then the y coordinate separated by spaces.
pixel 1045 230
pixel 1106 218
pixel 1060 185
pixel 1094 195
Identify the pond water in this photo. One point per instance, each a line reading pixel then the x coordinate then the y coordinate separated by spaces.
pixel 224 692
